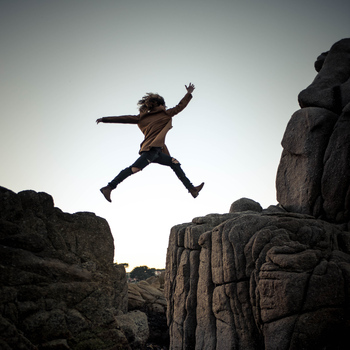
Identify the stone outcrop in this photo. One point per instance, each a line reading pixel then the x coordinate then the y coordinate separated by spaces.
pixel 314 174
pixel 259 280
pixel 278 278
pixel 59 286
pixel 148 296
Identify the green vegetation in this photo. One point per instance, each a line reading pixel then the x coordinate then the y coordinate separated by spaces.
pixel 142 272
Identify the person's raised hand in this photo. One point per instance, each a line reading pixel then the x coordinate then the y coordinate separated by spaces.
pixel 190 88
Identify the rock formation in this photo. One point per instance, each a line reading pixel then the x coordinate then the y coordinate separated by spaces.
pixel 279 278
pixel 251 279
pixel 59 287
pixel 148 296
pixel 258 280
pixel 314 174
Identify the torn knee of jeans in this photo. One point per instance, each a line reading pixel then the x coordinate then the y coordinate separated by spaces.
pixel 175 161
pixel 135 170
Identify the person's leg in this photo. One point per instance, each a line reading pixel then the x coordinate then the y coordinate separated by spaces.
pixel 175 165
pixel 144 159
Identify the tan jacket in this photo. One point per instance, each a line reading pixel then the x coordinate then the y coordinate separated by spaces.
pixel 154 125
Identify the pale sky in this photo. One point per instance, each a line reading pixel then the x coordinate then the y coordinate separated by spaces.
pixel 65 63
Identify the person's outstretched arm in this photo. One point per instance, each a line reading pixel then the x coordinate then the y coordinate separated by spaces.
pixel 184 102
pixel 123 119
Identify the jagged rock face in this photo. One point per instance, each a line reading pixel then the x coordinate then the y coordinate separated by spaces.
pixel 59 287
pixel 314 172
pixel 258 280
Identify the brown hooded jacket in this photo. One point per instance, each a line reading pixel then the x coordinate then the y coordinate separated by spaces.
pixel 154 124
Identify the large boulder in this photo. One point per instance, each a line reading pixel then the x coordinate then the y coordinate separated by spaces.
pixel 59 286
pixel 313 176
pixel 269 280
pixel 300 172
pixel 331 87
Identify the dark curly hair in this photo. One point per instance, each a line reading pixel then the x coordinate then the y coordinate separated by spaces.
pixel 150 101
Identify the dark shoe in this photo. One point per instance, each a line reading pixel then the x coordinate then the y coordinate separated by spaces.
pixel 195 190
pixel 106 191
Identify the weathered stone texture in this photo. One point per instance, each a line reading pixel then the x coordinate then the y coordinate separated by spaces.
pixel 59 288
pixel 245 204
pixel 336 171
pixel 313 176
pixel 255 281
pixel 331 87
pixel 299 175
pixel 148 296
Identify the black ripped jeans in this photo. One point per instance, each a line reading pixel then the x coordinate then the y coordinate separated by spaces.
pixel 154 155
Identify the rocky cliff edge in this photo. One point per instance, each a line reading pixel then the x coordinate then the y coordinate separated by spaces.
pixel 59 286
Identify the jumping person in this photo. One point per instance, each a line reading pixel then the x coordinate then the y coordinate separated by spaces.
pixel 154 120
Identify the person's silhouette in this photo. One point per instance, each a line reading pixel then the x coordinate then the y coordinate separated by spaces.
pixel 154 120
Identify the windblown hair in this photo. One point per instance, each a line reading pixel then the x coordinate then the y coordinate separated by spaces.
pixel 150 101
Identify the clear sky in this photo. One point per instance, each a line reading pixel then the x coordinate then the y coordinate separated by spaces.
pixel 65 63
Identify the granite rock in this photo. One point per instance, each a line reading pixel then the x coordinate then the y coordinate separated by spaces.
pixel 313 176
pixel 256 281
pixel 59 287
pixel 148 296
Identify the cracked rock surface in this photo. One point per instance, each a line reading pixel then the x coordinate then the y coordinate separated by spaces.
pixel 313 176
pixel 59 286
pixel 259 280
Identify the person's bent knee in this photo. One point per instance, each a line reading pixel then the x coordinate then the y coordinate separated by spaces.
pixel 135 170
